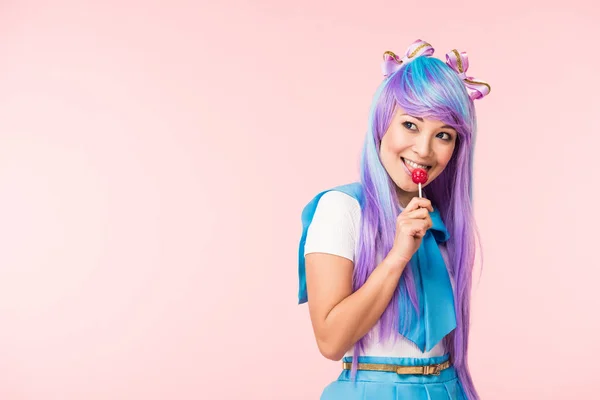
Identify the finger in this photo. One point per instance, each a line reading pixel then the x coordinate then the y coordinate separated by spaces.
pixel 419 234
pixel 415 227
pixel 419 213
pixel 417 202
pixel 424 227
pixel 426 224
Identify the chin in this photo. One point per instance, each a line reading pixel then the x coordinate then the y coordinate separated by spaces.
pixel 405 183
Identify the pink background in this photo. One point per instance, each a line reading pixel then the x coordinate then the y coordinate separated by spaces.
pixel 155 157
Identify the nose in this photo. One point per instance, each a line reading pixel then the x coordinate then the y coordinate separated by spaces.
pixel 422 146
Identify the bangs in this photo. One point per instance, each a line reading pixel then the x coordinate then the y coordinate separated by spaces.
pixel 428 88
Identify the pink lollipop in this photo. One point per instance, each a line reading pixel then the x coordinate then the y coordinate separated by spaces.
pixel 419 176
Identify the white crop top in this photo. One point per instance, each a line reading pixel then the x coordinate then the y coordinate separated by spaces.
pixel 334 230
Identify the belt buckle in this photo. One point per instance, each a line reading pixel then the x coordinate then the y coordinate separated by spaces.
pixel 432 369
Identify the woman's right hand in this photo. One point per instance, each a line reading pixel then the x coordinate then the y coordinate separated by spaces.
pixel 411 225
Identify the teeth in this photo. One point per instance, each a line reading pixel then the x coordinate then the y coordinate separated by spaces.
pixel 414 164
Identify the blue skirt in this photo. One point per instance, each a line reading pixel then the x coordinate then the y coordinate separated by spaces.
pixel 390 385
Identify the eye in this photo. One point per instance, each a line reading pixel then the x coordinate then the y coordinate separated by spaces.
pixel 447 137
pixel 408 124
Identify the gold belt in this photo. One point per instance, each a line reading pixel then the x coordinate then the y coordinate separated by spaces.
pixel 433 369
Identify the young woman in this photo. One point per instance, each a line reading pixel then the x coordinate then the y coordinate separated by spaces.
pixel 387 273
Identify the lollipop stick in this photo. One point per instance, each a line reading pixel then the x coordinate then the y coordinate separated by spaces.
pixel 420 193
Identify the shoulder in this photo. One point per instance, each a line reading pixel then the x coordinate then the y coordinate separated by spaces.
pixel 337 201
pixel 335 225
pixel 340 204
pixel 338 211
pixel 338 207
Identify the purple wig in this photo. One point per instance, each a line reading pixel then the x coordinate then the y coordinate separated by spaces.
pixel 428 88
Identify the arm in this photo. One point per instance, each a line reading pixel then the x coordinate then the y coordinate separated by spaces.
pixel 339 317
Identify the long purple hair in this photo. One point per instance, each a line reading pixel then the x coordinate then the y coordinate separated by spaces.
pixel 428 88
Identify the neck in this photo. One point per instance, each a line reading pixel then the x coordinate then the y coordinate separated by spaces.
pixel 405 197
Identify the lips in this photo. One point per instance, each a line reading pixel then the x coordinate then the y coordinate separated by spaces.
pixel 411 165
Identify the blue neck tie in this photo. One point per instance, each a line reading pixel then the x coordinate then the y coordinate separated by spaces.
pixel 437 316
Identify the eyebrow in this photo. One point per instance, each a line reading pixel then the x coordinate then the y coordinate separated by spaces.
pixel 421 119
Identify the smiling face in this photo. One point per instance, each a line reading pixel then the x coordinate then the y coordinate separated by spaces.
pixel 414 142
